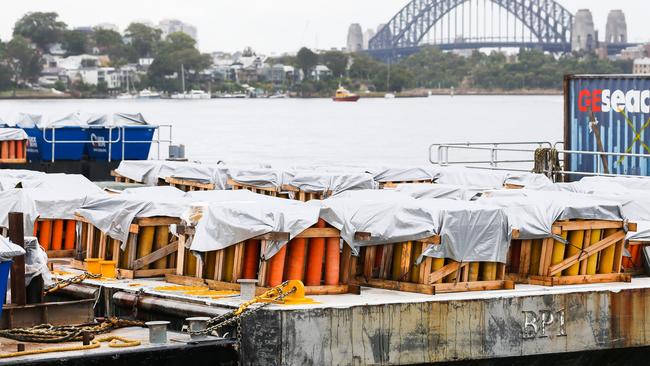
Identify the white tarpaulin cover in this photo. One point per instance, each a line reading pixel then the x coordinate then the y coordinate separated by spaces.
pixel 534 212
pixel 114 214
pixel 216 174
pixel 330 182
pixel 384 175
pixel 261 177
pixel 469 232
pixel 9 250
pixel 117 119
pixel 484 178
pixel 147 171
pixel 12 134
pixel 26 120
pixel 640 183
pixel 449 191
pixel 231 217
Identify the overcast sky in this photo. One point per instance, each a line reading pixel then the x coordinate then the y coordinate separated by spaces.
pixel 272 25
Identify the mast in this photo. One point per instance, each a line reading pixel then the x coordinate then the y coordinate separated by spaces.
pixel 183 77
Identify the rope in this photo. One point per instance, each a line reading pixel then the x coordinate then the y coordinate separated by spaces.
pixel 114 342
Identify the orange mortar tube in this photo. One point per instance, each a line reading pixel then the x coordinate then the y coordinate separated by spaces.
pixel 332 261
pixel 70 234
pixel 12 149
pixel 276 267
pixel 36 228
pixel 4 150
pixel 315 259
pixel 296 263
pixel 57 235
pixel 20 149
pixel 251 259
pixel 45 234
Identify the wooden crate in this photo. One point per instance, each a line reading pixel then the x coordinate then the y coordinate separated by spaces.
pixel 222 268
pixel 122 179
pixel 58 237
pixel 188 185
pixel 13 152
pixel 136 261
pixel 634 264
pixel 394 184
pixel 393 267
pixel 593 255
pixel 267 191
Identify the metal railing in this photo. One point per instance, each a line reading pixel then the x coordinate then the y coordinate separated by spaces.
pixel 121 139
pixel 439 154
pixel 441 151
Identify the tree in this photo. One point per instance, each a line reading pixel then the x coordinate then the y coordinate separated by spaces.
pixel 43 29
pixel 306 60
pixel 336 61
pixel 110 42
pixel 75 42
pixel 143 39
pixel 176 50
pixel 23 60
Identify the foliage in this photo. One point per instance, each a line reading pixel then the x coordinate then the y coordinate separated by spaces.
pixel 41 28
pixel 75 42
pixel 110 42
pixel 143 39
pixel 336 61
pixel 23 60
pixel 306 60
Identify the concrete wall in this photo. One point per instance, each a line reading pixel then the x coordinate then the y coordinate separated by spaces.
pixel 449 330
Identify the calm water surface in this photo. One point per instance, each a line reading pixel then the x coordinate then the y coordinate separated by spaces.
pixel 319 131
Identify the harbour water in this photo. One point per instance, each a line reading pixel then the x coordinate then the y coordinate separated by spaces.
pixel 319 132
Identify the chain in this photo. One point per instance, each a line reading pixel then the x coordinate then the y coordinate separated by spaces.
pixel 69 281
pixel 244 311
pixel 47 333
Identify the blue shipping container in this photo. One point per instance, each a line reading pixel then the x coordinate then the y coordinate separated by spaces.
pixel 40 147
pixel 621 105
pixel 98 149
pixel 4 276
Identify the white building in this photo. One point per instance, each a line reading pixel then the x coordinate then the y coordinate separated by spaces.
pixel 641 66
pixel 169 26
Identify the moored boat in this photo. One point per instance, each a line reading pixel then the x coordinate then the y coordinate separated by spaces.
pixel 343 95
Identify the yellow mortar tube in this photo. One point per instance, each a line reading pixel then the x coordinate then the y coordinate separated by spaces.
pixel 452 276
pixel 592 262
pixel 229 263
pixel 488 271
pixel 576 238
pixel 558 251
pixel 437 264
pixel 396 266
pixel 474 270
pixel 607 255
pixel 145 242
pixel 190 263
pixel 535 255
pixel 416 250
pixel 162 239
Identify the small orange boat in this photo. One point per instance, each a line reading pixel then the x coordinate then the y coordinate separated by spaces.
pixel 343 95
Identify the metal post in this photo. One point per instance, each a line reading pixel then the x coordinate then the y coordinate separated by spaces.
pixel 17 236
pixel 53 142
pixel 123 130
pixel 110 142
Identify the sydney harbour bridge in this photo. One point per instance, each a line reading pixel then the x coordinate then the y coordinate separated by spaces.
pixel 474 24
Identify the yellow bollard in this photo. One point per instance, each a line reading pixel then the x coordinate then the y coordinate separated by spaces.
pixel 535 255
pixel 162 239
pixel 474 270
pixel 488 271
pixel 558 251
pixel 592 262
pixel 575 246
pixel 93 266
pixel 107 269
pixel 145 242
pixel 437 264
pixel 607 255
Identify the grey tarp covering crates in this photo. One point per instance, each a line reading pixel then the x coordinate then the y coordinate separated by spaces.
pixel 394 174
pixel 147 171
pixel 468 231
pixel 484 178
pixel 231 217
pixel 12 134
pixel 260 177
pixel 330 182
pixel 449 191
pixel 534 212
pixel 216 174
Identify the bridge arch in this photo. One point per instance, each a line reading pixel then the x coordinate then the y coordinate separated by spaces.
pixel 548 21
